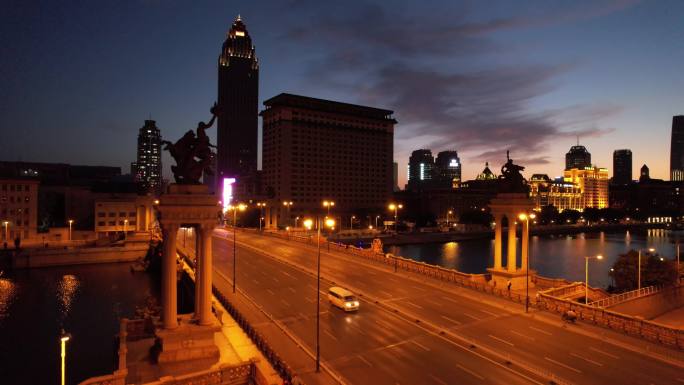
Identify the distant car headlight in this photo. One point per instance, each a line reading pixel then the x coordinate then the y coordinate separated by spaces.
pixel 348 304
pixel 356 303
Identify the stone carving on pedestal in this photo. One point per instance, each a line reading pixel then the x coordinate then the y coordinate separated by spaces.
pixel 511 201
pixel 187 203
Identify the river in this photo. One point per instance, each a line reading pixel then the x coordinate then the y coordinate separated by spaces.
pixel 552 256
pixel 86 301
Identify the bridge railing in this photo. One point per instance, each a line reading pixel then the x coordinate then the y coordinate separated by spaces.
pixel 622 297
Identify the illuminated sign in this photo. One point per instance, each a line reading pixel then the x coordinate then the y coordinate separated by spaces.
pixel 422 171
pixel 227 192
pixel 453 163
pixel 239 33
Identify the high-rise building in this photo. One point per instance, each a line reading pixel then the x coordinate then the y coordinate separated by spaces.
pixel 395 176
pixel 593 184
pixel 238 102
pixel 677 149
pixel 561 194
pixel 420 167
pixel 149 162
pixel 577 157
pixel 622 166
pixel 315 150
pixel 447 169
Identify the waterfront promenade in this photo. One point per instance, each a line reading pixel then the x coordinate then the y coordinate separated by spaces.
pixel 411 318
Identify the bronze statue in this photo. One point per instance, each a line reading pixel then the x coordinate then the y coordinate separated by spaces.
pixel 192 153
pixel 511 179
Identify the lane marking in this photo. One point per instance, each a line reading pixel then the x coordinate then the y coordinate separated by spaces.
pixel 604 353
pixel 540 330
pixel 586 359
pixel 413 304
pixel 501 340
pixel 470 372
pixel 563 365
pixel 451 320
pixel 488 312
pixel 292 289
pixel 395 345
pixel 311 300
pixel 680 380
pixel 286 273
pixel 451 300
pixel 285 302
pixel 275 279
pixel 255 281
pixel 365 361
pixel 270 291
pixel 472 316
pixel 330 334
pixel 522 335
pixel 386 293
pixel 421 346
pixel 437 379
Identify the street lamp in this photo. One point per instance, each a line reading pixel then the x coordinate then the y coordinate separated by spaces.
pixel 449 213
pixel 328 205
pixel 651 250
pixel 261 206
pixel 586 276
pixel 351 222
pixel 288 204
pixel 526 254
pixel 376 221
pixel 396 208
pixel 235 209
pixel 71 222
pixel 296 219
pixel 63 340
pixel 125 227
pixel 6 224
pixel 329 222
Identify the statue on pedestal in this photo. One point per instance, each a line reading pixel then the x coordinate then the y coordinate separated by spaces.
pixel 192 153
pixel 511 179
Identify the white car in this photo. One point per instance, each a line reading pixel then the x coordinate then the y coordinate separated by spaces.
pixel 343 298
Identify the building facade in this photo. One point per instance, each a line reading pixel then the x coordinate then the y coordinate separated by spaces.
pixel 18 209
pixel 622 166
pixel 593 184
pixel 238 102
pixel 578 157
pixel 448 169
pixel 677 149
pixel 315 150
pixel 563 195
pixel 420 169
pixel 124 214
pixel 149 161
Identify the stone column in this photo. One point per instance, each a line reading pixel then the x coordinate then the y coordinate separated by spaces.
pixel 197 244
pixel 169 278
pixel 524 250
pixel 512 258
pixel 497 240
pixel 206 317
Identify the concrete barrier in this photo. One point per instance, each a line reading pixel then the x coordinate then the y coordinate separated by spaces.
pixel 31 258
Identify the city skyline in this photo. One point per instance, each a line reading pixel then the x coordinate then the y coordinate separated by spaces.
pixel 458 91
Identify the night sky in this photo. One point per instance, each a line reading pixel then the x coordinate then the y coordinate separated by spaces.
pixel 78 78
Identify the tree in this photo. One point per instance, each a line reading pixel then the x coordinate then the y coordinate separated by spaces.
pixel 654 271
pixel 476 217
pixel 548 214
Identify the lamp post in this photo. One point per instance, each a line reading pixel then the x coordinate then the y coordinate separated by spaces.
pixel 395 207
pixel 125 227
pixel 328 205
pixel 235 209
pixel 449 213
pixel 329 222
pixel 651 250
pixel 63 340
pixel 376 221
pixel 296 219
pixel 526 254
pixel 71 222
pixel 6 224
pixel 261 206
pixel 351 222
pixel 288 205
pixel 586 276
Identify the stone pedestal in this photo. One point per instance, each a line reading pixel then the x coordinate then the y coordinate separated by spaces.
pixel 188 341
pixel 501 277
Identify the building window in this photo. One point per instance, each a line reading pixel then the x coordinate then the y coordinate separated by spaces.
pixel 100 223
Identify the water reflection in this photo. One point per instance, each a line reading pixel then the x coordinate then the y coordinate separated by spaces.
pixel 66 291
pixel 552 256
pixel 8 292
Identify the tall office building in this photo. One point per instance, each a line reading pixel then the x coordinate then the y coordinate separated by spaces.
pixel 622 166
pixel 238 102
pixel 592 182
pixel 677 149
pixel 315 150
pixel 577 157
pixel 149 161
pixel 447 171
pixel 420 167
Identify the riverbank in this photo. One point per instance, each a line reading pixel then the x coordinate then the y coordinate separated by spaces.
pixel 70 255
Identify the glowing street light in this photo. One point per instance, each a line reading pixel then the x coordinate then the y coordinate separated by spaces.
pixel 376 221
pixel 125 227
pixel 395 207
pixel 63 340
pixel 329 222
pixel 650 250
pixel 448 213
pixel 6 224
pixel 526 250
pixel 240 207
pixel 351 222
pixel 328 205
pixel 288 205
pixel 261 206
pixel 296 219
pixel 586 276
pixel 71 222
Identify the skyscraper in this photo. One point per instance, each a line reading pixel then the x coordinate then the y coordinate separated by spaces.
pixel 447 169
pixel 420 168
pixel 622 166
pixel 238 102
pixel 149 164
pixel 677 149
pixel 577 157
